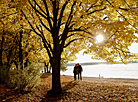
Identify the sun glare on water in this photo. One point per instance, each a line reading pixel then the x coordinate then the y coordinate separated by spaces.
pixel 99 38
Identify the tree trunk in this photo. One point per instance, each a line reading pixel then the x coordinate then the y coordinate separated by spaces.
pixel 16 65
pixel 1 51
pixel 50 69
pixel 45 67
pixel 56 86
pixel 20 50
pixel 27 60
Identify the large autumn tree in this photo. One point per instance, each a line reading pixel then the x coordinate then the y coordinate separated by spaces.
pixel 75 23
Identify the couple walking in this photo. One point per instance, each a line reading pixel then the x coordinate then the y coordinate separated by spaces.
pixel 77 71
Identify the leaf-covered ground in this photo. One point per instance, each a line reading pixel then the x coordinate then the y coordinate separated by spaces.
pixel 88 90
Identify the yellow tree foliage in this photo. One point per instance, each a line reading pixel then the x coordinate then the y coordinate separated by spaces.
pixel 11 24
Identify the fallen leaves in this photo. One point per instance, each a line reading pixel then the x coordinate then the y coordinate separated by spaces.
pixel 73 91
pixel 89 91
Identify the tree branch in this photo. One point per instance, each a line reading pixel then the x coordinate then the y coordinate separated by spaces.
pixel 92 6
pixel 44 40
pixel 96 11
pixel 61 14
pixel 128 6
pixel 71 42
pixel 39 7
pixel 70 15
pixel 79 29
pixel 43 23
pixel 48 16
pixel 111 36
pixel 121 14
pixel 8 15
pixel 66 29
pixel 31 24
pixel 126 9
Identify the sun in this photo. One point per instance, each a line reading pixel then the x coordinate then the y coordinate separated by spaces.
pixel 99 38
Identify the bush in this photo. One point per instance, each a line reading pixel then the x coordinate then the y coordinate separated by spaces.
pixel 24 79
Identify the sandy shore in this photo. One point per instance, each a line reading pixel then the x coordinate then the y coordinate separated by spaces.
pixel 118 81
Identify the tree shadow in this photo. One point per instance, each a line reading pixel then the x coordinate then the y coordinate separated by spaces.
pixel 55 98
pixel 69 85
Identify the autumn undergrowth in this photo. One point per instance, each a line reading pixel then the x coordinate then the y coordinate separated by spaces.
pixel 24 79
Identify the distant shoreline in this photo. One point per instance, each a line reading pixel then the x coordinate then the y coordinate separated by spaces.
pixel 105 78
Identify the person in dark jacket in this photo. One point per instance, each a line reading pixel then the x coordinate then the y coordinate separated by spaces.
pixel 77 71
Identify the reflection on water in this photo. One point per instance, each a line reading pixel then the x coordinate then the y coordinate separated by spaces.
pixel 107 71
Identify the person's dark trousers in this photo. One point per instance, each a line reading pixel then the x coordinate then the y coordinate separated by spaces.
pixel 74 76
pixel 80 76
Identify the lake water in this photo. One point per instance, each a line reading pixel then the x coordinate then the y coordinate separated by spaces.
pixel 107 71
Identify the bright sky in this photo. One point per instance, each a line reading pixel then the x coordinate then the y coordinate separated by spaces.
pixel 134 48
pixel 84 58
pixel 87 58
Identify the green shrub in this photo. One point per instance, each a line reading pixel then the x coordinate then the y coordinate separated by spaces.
pixel 24 79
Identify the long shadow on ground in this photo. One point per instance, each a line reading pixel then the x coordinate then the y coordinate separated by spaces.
pixel 55 98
